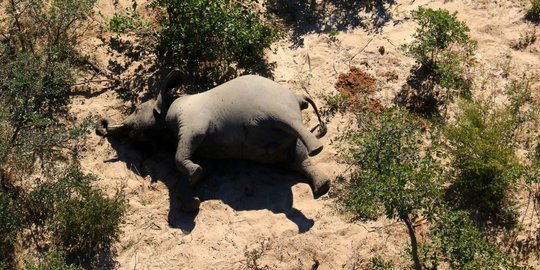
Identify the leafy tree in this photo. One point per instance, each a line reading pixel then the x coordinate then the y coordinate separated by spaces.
pixel 395 172
pixel 209 39
pixel 442 49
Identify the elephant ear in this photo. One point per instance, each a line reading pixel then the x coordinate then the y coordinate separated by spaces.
pixel 164 99
pixel 173 79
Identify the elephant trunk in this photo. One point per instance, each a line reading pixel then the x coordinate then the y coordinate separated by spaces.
pixel 106 129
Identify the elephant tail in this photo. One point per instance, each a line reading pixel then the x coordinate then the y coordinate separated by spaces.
pixel 304 102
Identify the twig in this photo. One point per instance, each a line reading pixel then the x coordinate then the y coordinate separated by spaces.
pixel 309 62
pixel 90 81
pixel 389 41
pixel 361 50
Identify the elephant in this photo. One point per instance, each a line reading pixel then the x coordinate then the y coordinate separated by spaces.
pixel 250 117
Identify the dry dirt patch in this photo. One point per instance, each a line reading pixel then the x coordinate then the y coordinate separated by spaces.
pixel 358 87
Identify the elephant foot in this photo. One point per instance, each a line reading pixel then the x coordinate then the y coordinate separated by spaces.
pixel 195 174
pixel 320 188
pixel 191 206
pixel 315 151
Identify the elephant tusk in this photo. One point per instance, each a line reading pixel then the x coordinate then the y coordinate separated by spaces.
pixel 116 126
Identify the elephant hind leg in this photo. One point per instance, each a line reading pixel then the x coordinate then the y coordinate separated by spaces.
pixel 318 180
pixel 295 127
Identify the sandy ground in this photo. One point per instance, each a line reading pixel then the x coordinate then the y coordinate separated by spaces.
pixel 281 220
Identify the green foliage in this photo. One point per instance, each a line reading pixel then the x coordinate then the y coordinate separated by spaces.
pixel 46 25
pixel 53 260
pixel 484 162
pixel 334 103
pixel 80 219
pixel 9 226
pixel 533 14
pixel 205 39
pixel 39 62
pixel 379 263
pixel 442 49
pixel 396 173
pixel 127 20
pixel 455 240
pixel 61 211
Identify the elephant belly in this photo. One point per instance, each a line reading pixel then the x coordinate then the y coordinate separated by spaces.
pixel 255 143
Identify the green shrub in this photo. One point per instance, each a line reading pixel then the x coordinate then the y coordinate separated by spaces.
pixel 455 240
pixel 396 173
pixel 533 14
pixel 483 159
pixel 127 20
pixel 53 260
pixel 334 103
pixel 61 211
pixel 209 39
pixel 47 25
pixel 39 63
pixel 9 226
pixel 443 50
pixel 379 263
pixel 81 219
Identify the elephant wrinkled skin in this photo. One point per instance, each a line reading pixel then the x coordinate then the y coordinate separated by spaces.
pixel 250 117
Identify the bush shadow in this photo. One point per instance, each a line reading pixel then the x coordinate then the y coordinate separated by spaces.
pixel 308 16
pixel 138 75
pixel 242 185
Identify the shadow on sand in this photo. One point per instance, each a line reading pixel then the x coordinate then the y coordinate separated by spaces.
pixel 326 16
pixel 242 185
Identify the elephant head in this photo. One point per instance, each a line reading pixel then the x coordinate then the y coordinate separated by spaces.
pixel 147 120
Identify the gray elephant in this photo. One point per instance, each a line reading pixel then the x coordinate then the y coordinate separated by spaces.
pixel 250 117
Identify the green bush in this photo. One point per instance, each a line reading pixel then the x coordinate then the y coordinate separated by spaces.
pixel 53 260
pixel 39 63
pixel 379 263
pixel 455 240
pixel 484 162
pixel 443 50
pixel 127 20
pixel 9 226
pixel 209 39
pixel 533 14
pixel 61 211
pixel 396 173
pixel 81 219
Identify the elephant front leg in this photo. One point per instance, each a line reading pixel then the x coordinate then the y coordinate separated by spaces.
pixel 186 148
pixel 186 195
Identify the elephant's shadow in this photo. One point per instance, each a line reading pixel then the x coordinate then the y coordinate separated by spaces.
pixel 240 184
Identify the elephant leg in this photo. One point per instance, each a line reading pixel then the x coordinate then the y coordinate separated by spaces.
pixel 186 147
pixel 293 125
pixel 185 194
pixel 318 180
